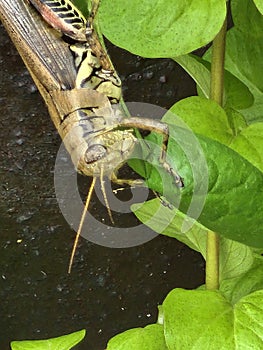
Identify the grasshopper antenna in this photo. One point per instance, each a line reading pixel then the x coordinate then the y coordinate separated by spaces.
pixel 81 223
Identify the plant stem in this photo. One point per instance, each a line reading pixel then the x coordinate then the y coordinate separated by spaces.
pixel 212 261
pixel 216 94
pixel 217 66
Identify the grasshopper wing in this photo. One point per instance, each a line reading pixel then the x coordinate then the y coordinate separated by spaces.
pixel 46 56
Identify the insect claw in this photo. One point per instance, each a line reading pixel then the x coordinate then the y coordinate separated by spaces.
pixel 179 181
pixel 177 178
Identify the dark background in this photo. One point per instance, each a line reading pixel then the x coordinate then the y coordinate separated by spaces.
pixel 109 290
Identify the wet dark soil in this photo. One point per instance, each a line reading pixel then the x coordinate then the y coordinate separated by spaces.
pixel 109 290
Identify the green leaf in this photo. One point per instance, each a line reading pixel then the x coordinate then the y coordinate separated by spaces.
pixel 83 6
pixel 197 320
pixel 223 191
pixel 203 116
pixel 236 94
pixel 243 59
pixel 209 119
pixel 249 143
pixel 150 337
pixel 194 66
pixel 169 221
pixel 233 205
pixel 246 17
pixel 235 258
pixel 204 319
pixel 259 4
pixel 248 321
pixel 64 342
pixel 250 281
pixel 236 120
pixel 161 28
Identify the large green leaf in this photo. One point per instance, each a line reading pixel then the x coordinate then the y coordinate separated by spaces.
pixel 231 203
pixel 150 337
pixel 161 28
pixel 203 319
pixel 64 342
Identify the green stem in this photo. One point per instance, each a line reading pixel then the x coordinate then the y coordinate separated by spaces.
pixel 216 94
pixel 212 261
pixel 217 66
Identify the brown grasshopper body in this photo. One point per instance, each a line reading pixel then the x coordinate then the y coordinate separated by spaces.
pixel 78 83
pixel 80 87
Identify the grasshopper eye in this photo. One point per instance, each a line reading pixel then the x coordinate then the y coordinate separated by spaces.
pixel 94 153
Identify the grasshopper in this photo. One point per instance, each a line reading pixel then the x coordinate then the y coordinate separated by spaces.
pixel 80 86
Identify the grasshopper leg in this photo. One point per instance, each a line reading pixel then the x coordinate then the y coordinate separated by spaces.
pixel 130 182
pixel 160 128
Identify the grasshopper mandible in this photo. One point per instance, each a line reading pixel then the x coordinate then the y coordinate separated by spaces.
pixel 79 85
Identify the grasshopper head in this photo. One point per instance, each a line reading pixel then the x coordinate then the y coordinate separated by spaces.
pixel 108 152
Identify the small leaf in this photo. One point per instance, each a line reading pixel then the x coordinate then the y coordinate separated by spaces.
pixel 161 28
pixel 233 204
pixel 64 342
pixel 150 337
